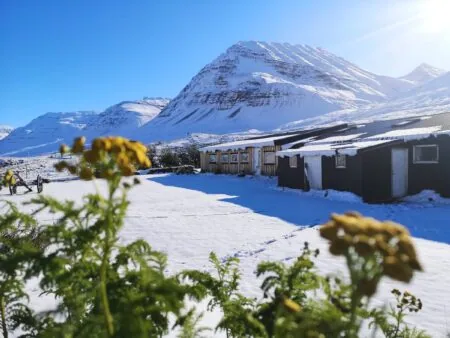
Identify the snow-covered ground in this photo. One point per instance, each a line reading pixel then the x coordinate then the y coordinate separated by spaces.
pixel 189 216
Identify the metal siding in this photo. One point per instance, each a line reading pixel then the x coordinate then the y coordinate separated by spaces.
pixel 431 176
pixel 291 177
pixel 376 175
pixel 343 179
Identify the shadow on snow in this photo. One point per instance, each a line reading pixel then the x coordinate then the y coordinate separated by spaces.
pixel 308 209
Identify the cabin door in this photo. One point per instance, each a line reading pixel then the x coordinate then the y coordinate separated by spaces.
pixel 399 172
pixel 313 170
pixel 257 161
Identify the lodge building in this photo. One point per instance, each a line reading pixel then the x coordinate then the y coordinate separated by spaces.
pixel 380 161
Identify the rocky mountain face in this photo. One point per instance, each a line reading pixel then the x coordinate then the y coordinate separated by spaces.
pixel 45 133
pixel 263 85
pixel 259 85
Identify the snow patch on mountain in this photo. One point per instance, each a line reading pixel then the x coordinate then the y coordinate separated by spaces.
pixel 428 99
pixel 423 73
pixel 5 131
pixel 45 133
pixel 127 116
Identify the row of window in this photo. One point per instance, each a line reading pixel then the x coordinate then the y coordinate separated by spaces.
pixel 421 154
pixel 229 158
pixel 269 157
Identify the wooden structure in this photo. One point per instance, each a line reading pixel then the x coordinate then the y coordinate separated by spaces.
pixel 255 156
pixel 20 182
pixel 250 160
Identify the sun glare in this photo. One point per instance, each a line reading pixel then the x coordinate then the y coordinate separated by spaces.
pixel 435 15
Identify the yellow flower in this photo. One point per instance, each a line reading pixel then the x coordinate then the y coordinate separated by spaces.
pixel 86 174
pixel 127 170
pixel 396 269
pixel 117 148
pixel 9 174
pixel 78 145
pixel 291 305
pixel 91 156
pixel 101 144
pixel 340 245
pixel 329 231
pixel 122 160
pixel 405 246
pixel 363 245
pixel 64 149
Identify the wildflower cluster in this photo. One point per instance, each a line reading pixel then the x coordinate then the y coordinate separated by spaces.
pixel 9 179
pixel 389 241
pixel 108 157
pixel 407 301
pixel 392 323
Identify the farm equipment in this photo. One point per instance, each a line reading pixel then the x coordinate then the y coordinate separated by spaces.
pixel 13 180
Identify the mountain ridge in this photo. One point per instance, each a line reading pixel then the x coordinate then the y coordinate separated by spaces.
pixel 257 86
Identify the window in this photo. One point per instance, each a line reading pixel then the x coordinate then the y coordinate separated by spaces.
pixel 234 158
pixel 244 157
pixel 212 158
pixel 224 158
pixel 293 162
pixel 269 157
pixel 341 161
pixel 426 153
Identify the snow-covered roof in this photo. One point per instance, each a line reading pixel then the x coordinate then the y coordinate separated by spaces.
pixel 242 144
pixel 302 141
pixel 408 134
pixel 331 149
pixel 338 138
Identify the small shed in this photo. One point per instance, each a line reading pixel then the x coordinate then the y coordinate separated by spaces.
pixel 380 161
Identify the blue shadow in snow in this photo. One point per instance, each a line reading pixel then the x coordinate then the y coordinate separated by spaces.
pixel 306 209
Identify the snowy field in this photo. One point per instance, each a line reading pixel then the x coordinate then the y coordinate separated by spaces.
pixel 189 216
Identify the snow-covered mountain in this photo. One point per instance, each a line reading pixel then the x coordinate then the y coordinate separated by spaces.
pixel 252 87
pixel 423 74
pixel 126 117
pixel 45 133
pixel 5 131
pixel 433 97
pixel 263 85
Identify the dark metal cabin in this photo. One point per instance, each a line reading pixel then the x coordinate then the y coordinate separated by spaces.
pixel 380 161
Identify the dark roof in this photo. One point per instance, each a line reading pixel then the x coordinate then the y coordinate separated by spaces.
pixel 383 126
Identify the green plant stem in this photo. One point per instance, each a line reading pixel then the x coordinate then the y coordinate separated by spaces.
pixel 105 261
pixel 398 318
pixel 3 317
pixel 103 292
pixel 356 297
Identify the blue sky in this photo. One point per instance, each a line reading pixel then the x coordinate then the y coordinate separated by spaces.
pixel 87 55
